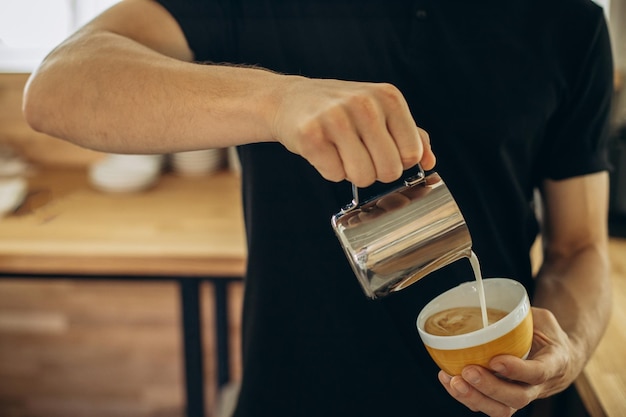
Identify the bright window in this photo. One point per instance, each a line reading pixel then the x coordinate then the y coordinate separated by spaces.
pixel 29 29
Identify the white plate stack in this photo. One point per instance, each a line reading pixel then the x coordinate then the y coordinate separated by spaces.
pixel 13 184
pixel 197 163
pixel 234 164
pixel 125 173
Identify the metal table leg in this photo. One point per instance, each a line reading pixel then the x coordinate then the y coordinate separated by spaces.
pixel 221 331
pixel 192 343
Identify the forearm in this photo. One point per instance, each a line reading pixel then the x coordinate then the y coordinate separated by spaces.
pixel 576 288
pixel 125 83
pixel 110 93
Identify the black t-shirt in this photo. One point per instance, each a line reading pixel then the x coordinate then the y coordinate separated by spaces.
pixel 512 92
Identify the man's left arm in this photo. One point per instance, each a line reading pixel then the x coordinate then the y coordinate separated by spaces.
pixel 572 304
pixel 574 282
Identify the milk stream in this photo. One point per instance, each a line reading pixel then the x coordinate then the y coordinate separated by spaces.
pixel 481 289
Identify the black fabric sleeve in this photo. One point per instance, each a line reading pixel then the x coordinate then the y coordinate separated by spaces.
pixel 207 25
pixel 577 134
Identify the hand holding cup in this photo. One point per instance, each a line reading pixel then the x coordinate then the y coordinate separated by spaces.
pixel 453 342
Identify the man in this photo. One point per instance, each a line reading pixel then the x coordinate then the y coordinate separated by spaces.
pixel 320 94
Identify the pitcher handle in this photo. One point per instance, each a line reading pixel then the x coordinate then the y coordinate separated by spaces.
pixel 412 180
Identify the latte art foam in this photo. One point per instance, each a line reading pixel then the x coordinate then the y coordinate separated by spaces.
pixel 460 320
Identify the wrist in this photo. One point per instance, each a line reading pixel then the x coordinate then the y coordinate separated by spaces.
pixel 281 88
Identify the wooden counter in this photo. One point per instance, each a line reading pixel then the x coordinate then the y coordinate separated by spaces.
pixel 182 226
pixel 602 386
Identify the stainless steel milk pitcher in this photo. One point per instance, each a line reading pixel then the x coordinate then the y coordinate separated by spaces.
pixel 399 237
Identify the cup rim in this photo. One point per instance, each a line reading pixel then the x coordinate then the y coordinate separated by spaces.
pixel 480 336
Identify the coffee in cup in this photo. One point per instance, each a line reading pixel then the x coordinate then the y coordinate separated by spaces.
pixel 460 320
pixel 451 325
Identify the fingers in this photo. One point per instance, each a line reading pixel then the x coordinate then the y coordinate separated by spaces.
pixel 532 372
pixel 357 160
pixel 511 383
pixel 549 359
pixel 400 129
pixel 411 142
pixel 361 132
pixel 311 144
pixel 428 160
pixel 331 141
pixel 381 119
pixel 380 145
pixel 480 390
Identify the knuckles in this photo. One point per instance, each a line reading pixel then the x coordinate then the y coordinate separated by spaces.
pixel 310 137
pixel 390 93
pixel 362 180
pixel 389 174
pixel 315 138
pixel 364 108
pixel 409 159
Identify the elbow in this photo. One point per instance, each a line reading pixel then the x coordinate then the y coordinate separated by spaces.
pixel 42 107
pixel 33 106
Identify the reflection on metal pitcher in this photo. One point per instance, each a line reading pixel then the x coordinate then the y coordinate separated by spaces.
pixel 398 238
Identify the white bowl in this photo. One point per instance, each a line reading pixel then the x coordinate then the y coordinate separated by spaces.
pixel 201 162
pixel 125 173
pixel 12 194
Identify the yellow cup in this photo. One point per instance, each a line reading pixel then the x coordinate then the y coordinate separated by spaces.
pixel 511 335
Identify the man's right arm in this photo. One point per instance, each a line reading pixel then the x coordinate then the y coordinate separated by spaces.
pixel 126 83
